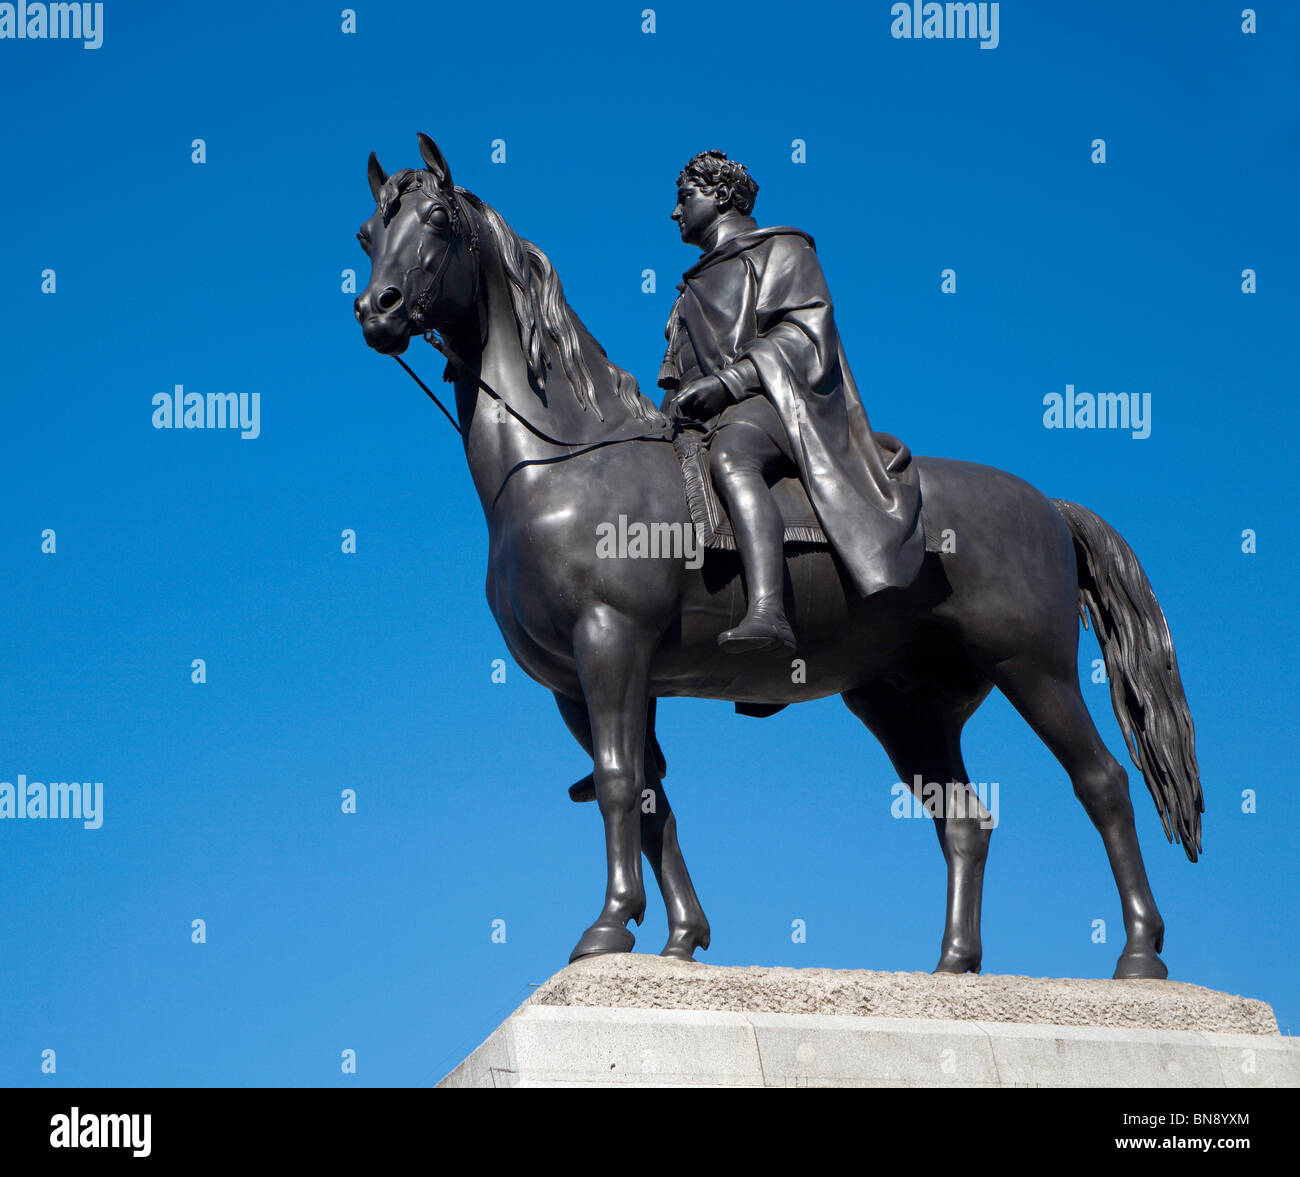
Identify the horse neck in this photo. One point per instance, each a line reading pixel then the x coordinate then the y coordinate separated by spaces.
pixel 498 447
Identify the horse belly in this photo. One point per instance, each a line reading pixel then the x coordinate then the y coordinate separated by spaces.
pixel 842 639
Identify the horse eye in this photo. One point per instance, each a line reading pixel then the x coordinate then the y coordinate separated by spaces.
pixel 438 218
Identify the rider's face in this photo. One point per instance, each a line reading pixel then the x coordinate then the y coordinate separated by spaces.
pixel 696 212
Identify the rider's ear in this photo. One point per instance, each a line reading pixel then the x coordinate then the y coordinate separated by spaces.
pixel 434 161
pixel 376 175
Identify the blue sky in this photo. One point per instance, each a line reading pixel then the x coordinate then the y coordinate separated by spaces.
pixel 372 931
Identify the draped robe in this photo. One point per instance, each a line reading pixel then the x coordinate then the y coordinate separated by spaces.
pixel 755 312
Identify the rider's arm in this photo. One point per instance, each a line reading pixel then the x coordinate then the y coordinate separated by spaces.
pixel 740 379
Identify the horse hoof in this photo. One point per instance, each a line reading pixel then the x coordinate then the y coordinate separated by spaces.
pixel 678 951
pixel 602 938
pixel 682 945
pixel 1138 965
pixel 955 959
pixel 583 790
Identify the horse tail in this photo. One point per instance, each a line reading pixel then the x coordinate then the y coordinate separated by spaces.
pixel 1146 689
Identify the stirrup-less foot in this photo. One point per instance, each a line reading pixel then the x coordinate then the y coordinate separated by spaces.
pixel 764 628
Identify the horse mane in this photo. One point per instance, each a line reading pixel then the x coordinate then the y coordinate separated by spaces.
pixel 537 297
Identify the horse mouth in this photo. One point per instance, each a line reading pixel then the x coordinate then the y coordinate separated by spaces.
pixel 387 343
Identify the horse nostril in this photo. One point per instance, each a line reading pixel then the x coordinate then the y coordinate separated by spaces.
pixel 356 308
pixel 389 299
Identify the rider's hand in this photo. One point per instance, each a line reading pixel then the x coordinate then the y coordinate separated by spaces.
pixel 702 398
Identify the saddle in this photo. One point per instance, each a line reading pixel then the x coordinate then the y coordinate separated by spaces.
pixel 709 515
pixel 802 527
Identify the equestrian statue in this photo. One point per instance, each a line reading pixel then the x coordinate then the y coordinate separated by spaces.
pixel 824 571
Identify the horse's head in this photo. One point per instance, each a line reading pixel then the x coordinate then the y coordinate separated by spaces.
pixel 421 243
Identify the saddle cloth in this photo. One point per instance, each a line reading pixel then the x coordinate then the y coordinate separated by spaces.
pixel 709 515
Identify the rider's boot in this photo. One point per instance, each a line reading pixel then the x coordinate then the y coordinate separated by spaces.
pixel 756 521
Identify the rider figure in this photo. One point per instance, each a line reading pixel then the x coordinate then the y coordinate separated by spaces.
pixel 753 350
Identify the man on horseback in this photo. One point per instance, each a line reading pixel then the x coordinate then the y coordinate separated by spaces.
pixel 753 350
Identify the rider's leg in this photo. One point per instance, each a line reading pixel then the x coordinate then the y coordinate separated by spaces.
pixel 738 456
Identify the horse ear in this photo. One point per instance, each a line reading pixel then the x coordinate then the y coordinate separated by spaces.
pixel 434 161
pixel 376 175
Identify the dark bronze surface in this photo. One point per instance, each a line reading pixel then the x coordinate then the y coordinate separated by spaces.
pixel 560 444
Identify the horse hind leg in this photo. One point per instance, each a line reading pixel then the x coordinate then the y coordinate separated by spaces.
pixel 921 733
pixel 688 927
pixel 1050 702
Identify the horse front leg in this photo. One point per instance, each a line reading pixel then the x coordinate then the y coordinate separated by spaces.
pixel 613 663
pixel 688 927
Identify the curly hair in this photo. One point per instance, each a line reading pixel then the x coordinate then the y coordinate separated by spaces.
pixel 712 171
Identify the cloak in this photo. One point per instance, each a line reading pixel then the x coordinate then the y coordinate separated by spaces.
pixel 755 311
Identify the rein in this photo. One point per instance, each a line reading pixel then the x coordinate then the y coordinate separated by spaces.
pixel 431 395
pixel 667 432
pixel 428 299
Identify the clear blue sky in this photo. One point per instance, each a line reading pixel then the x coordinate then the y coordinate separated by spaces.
pixel 372 671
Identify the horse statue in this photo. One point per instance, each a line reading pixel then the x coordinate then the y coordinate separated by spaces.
pixel 561 443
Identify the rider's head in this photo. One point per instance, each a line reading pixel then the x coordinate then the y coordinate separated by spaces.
pixel 726 180
pixel 711 187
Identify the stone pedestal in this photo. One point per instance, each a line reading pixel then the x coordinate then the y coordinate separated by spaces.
pixel 634 1020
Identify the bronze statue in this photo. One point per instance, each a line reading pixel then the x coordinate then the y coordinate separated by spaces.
pixel 560 443
pixel 753 350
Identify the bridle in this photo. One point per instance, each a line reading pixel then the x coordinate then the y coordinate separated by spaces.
pixel 429 298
